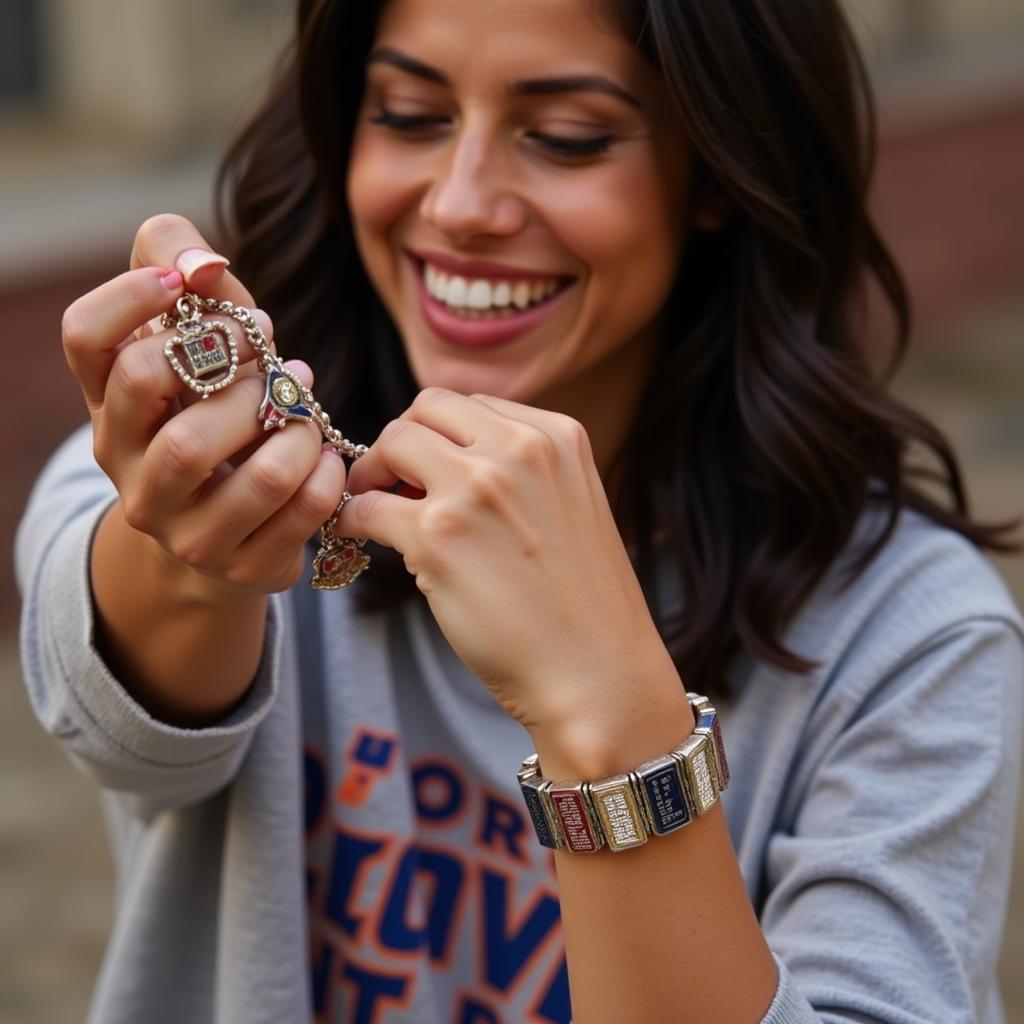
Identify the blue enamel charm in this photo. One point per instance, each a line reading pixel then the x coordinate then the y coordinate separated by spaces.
pixel 282 401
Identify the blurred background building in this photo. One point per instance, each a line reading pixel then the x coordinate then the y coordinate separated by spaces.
pixel 112 110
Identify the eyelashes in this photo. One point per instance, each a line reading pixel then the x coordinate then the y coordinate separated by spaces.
pixel 405 122
pixel 564 146
pixel 557 145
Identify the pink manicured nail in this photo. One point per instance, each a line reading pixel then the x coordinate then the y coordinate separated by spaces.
pixel 171 280
pixel 193 260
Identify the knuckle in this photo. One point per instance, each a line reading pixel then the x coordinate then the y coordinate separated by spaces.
pixel 183 448
pixel 315 502
pixel 442 520
pixel 394 429
pixel 432 393
pixel 136 512
pixel 102 447
pixel 74 327
pixel 136 371
pixel 271 479
pixel 488 482
pixel 533 449
pixel 574 439
pixel 243 574
pixel 572 432
pixel 190 549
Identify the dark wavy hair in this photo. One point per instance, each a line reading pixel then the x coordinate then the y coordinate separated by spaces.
pixel 765 434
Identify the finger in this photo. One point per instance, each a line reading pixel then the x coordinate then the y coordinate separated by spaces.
pixel 168 240
pixel 456 416
pixel 190 446
pixel 243 501
pixel 311 506
pixel 95 325
pixel 142 386
pixel 384 518
pixel 568 434
pixel 408 452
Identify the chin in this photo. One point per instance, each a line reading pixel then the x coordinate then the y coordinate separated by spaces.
pixel 468 377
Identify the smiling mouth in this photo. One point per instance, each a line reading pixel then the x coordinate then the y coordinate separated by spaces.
pixel 487 298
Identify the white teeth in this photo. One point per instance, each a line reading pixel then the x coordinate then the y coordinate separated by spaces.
pixel 455 294
pixel 479 297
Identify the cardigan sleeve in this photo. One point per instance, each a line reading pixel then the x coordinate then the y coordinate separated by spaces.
pixel 887 897
pixel 107 734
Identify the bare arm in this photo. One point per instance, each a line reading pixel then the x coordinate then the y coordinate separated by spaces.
pixel 666 931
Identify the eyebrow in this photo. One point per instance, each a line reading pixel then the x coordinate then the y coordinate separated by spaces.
pixel 523 87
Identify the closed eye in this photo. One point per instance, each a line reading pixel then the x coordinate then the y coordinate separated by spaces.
pixel 564 146
pixel 558 145
pixel 406 122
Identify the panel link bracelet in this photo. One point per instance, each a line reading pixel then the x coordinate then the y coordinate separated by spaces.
pixel 623 811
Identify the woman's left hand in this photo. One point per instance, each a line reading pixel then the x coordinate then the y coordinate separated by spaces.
pixel 515 548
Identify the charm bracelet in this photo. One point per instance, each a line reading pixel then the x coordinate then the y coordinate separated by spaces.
pixel 204 354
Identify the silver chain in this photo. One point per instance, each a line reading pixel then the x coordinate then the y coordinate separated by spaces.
pixel 191 307
pixel 340 560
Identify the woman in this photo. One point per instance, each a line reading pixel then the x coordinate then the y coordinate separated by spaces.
pixel 590 274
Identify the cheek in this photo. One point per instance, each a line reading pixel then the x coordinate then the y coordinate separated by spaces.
pixel 381 186
pixel 632 245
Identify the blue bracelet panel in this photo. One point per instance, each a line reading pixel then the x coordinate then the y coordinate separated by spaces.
pixel 664 797
pixel 540 822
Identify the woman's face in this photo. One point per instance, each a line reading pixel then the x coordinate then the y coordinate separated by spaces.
pixel 519 187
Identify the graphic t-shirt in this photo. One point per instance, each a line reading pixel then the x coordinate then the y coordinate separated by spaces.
pixel 876 853
pixel 428 891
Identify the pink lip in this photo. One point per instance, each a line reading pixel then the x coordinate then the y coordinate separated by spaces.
pixel 479 333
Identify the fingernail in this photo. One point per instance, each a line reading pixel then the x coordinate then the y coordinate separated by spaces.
pixel 171 280
pixel 193 260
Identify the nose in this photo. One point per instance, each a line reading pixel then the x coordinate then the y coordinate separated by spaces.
pixel 468 195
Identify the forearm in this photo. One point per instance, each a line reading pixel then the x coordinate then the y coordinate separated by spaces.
pixel 665 931
pixel 185 647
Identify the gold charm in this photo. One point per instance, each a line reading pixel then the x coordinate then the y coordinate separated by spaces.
pixel 339 564
pixel 340 560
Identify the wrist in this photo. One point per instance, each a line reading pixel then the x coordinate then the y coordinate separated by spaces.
pixel 603 736
pixel 184 647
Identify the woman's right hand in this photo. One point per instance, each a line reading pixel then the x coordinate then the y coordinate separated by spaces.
pixel 221 497
pixel 213 513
